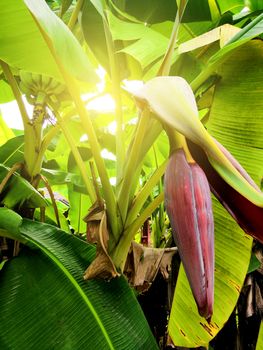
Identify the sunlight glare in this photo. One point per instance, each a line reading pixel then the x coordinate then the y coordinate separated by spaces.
pixel 11 114
pixel 113 181
pixel 107 154
pixel 103 104
pixel 245 9
pixel 132 85
pixel 112 127
pixel 84 138
pixel 101 73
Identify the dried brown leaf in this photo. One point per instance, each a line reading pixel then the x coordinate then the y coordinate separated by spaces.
pixel 143 264
pixel 97 231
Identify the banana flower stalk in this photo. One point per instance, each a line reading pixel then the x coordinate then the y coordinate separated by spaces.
pixel 200 160
pixel 172 100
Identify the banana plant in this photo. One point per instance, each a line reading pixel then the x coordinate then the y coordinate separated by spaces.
pixel 53 78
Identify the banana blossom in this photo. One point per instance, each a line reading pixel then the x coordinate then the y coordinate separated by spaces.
pixel 187 198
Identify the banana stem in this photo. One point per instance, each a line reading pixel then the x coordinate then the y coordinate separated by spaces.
pixel 51 194
pixel 115 78
pixel 132 161
pixel 167 60
pixel 120 253
pixel 77 156
pixel 55 130
pixel 144 194
pixel 204 75
pixel 32 133
pixel 176 141
pixel 74 16
pixel 74 91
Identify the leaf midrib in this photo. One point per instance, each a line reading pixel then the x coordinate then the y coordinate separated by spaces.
pixel 74 283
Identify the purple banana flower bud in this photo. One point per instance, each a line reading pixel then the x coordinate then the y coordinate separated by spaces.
pixel 189 207
pixel 248 215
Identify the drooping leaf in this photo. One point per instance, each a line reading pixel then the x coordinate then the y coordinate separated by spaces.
pixel 252 30
pixel 18 191
pixel 21 43
pixel 66 311
pixel 222 33
pixel 10 221
pixel 64 42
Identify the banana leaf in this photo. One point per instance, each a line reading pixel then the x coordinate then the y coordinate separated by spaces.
pixel 46 304
pixel 18 191
pixel 12 151
pixel 21 43
pixel 64 43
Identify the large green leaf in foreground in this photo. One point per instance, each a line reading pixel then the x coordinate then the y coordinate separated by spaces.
pixel 236 121
pixel 46 304
pixel 64 43
pixel 21 43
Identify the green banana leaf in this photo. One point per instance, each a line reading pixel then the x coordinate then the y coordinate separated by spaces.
pixel 93 30
pixel 122 30
pixel 238 108
pixel 12 151
pixel 230 5
pixel 250 31
pixel 65 4
pixel 156 11
pixel 10 222
pixel 21 43
pixel 50 306
pixel 235 119
pixel 79 206
pixel 65 44
pixel 18 191
pixel 260 338
pixel 156 44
